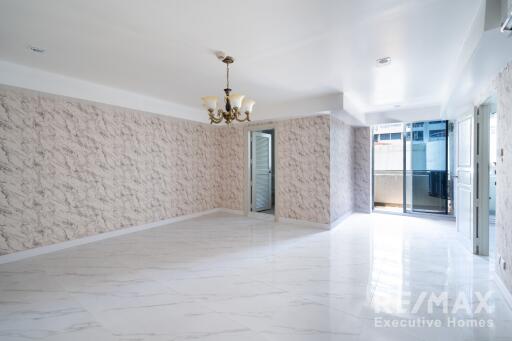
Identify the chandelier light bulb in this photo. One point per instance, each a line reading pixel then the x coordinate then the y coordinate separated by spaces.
pixel 236 100
pixel 210 102
pixel 247 105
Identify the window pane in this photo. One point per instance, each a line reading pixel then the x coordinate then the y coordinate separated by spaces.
pixel 438 133
pixel 426 176
pixel 436 122
pixel 417 135
pixel 385 137
pixel 396 136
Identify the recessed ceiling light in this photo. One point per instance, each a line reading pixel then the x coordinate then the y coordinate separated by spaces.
pixel 36 49
pixel 383 61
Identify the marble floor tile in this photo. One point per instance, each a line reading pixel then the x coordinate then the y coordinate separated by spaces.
pixel 227 277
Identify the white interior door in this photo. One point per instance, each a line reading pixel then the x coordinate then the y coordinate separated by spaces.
pixel 465 186
pixel 261 171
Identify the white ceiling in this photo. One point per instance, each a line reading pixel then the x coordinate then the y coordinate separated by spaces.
pixel 286 51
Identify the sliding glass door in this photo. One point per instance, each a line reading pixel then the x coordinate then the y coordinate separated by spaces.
pixel 426 167
pixel 411 171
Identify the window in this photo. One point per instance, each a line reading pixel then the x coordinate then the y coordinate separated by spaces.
pixel 396 136
pixel 418 124
pixel 417 135
pixel 436 122
pixel 385 137
pixel 437 134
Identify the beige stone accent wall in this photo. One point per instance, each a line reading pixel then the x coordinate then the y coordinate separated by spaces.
pixel 303 169
pixel 71 168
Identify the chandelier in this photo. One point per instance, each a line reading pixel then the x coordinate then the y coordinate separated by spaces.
pixel 236 105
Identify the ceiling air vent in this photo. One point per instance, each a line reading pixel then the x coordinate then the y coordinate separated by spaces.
pixel 36 49
pixel 383 61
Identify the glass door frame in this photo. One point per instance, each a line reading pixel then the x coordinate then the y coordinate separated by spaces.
pixel 405 210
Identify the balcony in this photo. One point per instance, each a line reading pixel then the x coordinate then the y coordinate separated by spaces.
pixel 426 191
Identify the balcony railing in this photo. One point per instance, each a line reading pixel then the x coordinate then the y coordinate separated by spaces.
pixel 425 190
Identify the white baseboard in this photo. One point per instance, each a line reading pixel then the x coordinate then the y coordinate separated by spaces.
pixel 304 223
pixel 15 256
pixel 503 288
pixel 340 219
pixel 272 217
pixel 230 211
pixel 317 225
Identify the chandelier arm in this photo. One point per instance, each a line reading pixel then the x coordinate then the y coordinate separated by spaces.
pixel 239 118
pixel 216 121
pixel 215 118
pixel 239 115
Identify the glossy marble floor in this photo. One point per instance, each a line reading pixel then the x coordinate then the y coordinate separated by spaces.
pixel 225 277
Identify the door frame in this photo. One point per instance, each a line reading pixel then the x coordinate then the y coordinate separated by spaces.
pixel 482 158
pixel 405 211
pixel 254 168
pixel 247 169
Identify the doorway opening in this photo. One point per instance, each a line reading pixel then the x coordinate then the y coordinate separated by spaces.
pixel 410 167
pixel 262 175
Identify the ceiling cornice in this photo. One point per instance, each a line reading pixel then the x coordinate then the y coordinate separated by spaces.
pixel 34 79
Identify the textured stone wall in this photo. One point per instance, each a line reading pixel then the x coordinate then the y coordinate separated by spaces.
pixel 362 170
pixel 303 169
pixel 70 169
pixel 232 159
pixel 315 167
pixel 342 169
pixel 504 175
